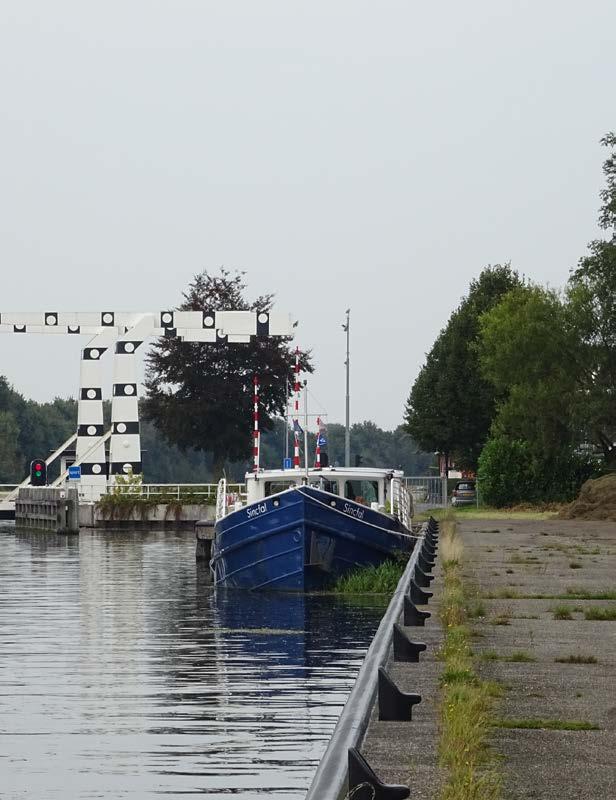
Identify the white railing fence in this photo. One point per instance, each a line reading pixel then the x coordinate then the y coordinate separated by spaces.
pixel 200 492
pixel 427 491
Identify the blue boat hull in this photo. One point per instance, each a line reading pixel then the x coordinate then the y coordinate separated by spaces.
pixel 301 540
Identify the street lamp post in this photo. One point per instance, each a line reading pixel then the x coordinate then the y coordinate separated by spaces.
pixel 347 363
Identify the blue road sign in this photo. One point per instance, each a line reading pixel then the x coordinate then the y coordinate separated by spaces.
pixel 74 473
pixel 322 440
pixel 286 463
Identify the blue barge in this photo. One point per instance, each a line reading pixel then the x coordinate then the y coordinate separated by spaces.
pixel 298 532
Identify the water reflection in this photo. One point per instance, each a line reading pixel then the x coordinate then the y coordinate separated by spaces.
pixel 124 673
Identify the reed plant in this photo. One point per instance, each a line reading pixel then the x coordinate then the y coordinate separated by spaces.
pixel 382 579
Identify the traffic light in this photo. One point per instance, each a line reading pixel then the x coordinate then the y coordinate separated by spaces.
pixel 358 459
pixel 38 472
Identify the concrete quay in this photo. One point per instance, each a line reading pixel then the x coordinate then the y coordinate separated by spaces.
pixel 521 641
pixel 542 597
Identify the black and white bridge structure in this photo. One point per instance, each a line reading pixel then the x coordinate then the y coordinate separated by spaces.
pixel 124 332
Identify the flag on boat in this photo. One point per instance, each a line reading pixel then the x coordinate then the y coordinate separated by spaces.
pixel 322 434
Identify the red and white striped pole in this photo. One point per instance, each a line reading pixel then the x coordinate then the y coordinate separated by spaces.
pixel 255 417
pixel 317 454
pixel 297 389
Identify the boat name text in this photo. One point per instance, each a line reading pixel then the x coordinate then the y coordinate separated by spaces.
pixel 254 512
pixel 353 511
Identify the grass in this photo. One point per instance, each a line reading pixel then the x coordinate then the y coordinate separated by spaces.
pixel 518 559
pixel 547 724
pixel 603 614
pixel 490 655
pixel 571 594
pixel 573 659
pixel 520 656
pixel 466 700
pixel 476 609
pixel 517 657
pixel 570 549
pixel 487 512
pixel 562 612
pixel 501 619
pixel 372 580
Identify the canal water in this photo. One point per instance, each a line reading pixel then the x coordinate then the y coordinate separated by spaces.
pixel 125 674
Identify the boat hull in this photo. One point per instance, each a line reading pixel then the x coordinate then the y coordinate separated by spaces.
pixel 301 540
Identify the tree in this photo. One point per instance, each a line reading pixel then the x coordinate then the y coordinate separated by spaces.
pixel 451 405
pixel 529 351
pixel 9 446
pixel 592 300
pixel 200 396
pixel 505 472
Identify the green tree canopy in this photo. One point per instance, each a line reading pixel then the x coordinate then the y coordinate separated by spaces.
pixel 592 304
pixel 199 395
pixel 530 353
pixel 451 404
pixel 552 360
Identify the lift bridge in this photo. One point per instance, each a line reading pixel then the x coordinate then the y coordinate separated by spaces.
pixel 124 332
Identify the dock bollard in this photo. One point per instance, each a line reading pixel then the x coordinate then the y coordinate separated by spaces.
pixel 404 648
pixel 362 775
pixel 418 595
pixel 427 550
pixel 394 704
pixel 422 578
pixel 412 615
pixel 425 564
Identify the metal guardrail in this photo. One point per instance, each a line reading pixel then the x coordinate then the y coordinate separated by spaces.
pixel 206 491
pixel 331 780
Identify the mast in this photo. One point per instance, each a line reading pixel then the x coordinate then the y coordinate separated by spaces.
pixel 306 428
pixel 255 417
pixel 297 389
pixel 347 427
pixel 286 420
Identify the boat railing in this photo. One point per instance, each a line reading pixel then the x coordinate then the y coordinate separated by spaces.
pixel 401 503
pixel 221 499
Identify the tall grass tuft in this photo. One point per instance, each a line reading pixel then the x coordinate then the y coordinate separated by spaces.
pixel 604 614
pixel 562 612
pixel 372 580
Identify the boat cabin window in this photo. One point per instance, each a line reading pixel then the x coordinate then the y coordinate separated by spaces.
pixel 326 486
pixel 274 487
pixel 364 492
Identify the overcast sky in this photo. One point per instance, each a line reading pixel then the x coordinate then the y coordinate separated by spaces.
pixel 374 155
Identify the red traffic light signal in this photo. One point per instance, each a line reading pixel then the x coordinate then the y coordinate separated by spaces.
pixel 38 472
